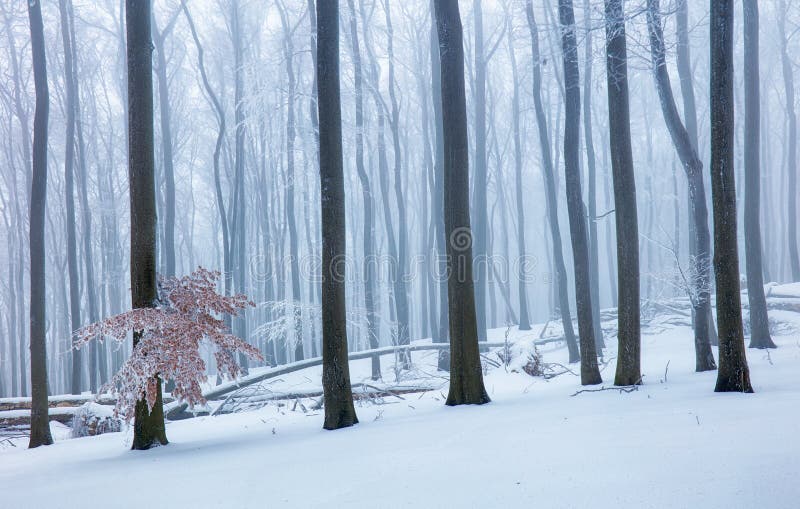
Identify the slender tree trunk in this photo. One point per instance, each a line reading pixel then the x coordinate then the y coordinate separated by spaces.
pixel 148 425
pixel 401 285
pixel 733 374
pixel 339 409
pixel 466 376
pixel 791 190
pixel 69 188
pixel 684 65
pixel 550 191
pixel 480 206
pixel 628 354
pixel 759 322
pixel 294 258
pixel 217 148
pixel 700 245
pixel 166 145
pixel 239 232
pixel 590 373
pixel 40 424
pixel 524 319
pixel 437 203
pixel 369 268
pixel 591 163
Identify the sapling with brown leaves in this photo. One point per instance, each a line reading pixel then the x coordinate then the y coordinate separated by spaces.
pixel 189 312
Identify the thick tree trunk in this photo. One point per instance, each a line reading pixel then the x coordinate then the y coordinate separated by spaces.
pixel 148 426
pixel 733 374
pixel 339 409
pixel 550 191
pixel 759 322
pixel 685 148
pixel 466 376
pixel 40 424
pixel 628 354
pixel 590 373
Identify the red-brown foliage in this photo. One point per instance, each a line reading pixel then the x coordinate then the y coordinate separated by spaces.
pixel 189 312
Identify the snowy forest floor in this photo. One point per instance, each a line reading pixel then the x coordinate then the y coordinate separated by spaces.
pixel 671 443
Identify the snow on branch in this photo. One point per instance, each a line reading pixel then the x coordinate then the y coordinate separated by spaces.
pixel 189 311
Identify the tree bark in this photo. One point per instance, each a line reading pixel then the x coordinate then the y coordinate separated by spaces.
pixel 628 354
pixel 590 373
pixel 339 409
pixel 591 164
pixel 759 321
pixel 685 148
pixel 733 374
pixel 550 190
pixel 466 376
pixel 148 426
pixel 40 424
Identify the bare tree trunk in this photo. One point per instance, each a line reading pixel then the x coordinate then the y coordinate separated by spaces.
pixel 239 231
pixel 791 191
pixel 339 409
pixel 759 321
pixel 401 285
pixel 40 424
pixel 369 267
pixel 733 374
pixel 550 191
pixel 590 373
pixel 524 319
pixel 591 163
pixel 685 148
pixel 628 355
pixel 684 65
pixel 220 112
pixel 294 258
pixel 466 377
pixel 148 425
pixel 166 144
pixel 437 203
pixel 479 205
pixel 69 188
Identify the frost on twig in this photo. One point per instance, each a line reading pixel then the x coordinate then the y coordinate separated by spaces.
pixel 189 312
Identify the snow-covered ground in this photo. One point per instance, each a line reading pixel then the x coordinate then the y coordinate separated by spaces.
pixel 672 443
